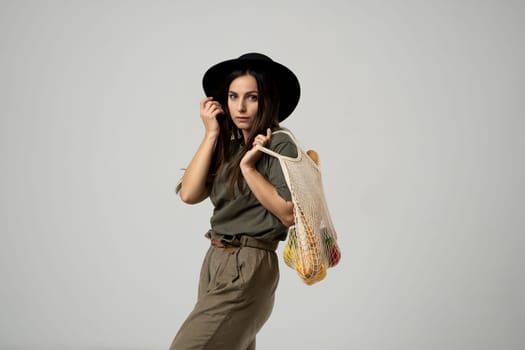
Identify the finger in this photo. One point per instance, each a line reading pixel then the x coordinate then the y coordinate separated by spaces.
pixel 219 107
pixel 268 133
pixel 262 139
pixel 205 100
pixel 214 105
pixel 216 112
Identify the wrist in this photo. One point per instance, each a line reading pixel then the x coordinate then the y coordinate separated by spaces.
pixel 247 168
pixel 211 136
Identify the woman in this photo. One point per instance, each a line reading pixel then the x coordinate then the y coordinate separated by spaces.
pixel 247 98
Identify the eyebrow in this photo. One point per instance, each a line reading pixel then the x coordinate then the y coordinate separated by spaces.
pixel 247 92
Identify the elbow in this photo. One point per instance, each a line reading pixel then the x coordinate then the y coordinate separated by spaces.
pixel 189 198
pixel 186 198
pixel 288 218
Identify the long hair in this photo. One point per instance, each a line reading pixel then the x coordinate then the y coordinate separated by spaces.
pixel 231 137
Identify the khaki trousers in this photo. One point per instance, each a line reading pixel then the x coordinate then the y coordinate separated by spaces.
pixel 236 297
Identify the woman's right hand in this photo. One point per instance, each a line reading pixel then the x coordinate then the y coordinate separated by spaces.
pixel 209 111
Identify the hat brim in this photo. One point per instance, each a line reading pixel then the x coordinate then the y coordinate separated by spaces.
pixel 286 81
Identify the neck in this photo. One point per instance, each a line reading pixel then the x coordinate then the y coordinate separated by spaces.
pixel 245 135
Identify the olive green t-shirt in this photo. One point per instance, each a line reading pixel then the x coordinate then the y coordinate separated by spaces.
pixel 244 214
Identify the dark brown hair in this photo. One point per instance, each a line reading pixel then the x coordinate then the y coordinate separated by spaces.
pixel 231 137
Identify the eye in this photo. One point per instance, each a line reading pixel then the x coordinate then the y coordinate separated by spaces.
pixel 253 98
pixel 232 96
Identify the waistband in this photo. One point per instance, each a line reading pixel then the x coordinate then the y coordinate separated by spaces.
pixel 241 241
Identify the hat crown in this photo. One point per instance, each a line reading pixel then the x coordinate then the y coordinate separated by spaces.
pixel 255 56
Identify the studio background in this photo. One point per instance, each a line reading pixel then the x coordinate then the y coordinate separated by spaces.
pixel 415 107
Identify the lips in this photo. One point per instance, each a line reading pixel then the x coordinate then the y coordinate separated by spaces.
pixel 242 119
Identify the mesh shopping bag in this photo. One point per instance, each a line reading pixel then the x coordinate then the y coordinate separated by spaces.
pixel 312 241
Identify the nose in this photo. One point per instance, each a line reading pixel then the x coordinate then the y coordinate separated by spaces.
pixel 241 106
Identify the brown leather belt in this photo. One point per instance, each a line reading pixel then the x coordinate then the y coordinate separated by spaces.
pixel 232 242
pixel 229 247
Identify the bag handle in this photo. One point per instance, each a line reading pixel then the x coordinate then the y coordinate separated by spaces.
pixel 280 156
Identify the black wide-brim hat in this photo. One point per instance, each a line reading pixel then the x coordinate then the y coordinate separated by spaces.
pixel 286 81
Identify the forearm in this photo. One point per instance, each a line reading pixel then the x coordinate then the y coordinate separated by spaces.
pixel 268 196
pixel 193 189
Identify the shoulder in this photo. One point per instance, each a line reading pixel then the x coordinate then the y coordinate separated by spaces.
pixel 283 144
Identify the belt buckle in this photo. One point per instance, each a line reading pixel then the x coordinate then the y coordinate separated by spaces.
pixel 235 241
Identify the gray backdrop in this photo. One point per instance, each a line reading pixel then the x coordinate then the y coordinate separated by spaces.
pixel 416 108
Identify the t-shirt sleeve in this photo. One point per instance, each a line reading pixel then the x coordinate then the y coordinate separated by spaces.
pixel 282 144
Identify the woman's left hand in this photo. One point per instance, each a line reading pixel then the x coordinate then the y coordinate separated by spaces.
pixel 253 155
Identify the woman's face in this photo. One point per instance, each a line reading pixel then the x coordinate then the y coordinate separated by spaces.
pixel 243 105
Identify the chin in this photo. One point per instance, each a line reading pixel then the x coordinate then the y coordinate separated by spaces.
pixel 244 128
